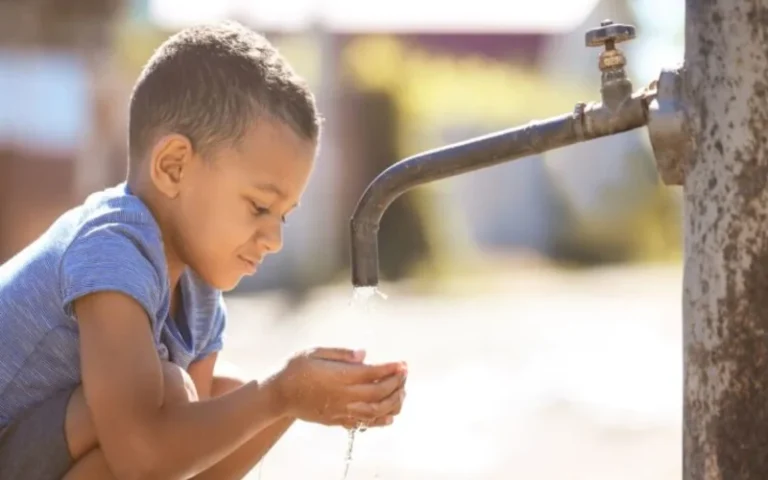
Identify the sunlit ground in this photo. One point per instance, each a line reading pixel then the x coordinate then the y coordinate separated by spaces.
pixel 547 375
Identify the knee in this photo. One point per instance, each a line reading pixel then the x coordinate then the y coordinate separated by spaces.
pixel 178 386
pixel 79 428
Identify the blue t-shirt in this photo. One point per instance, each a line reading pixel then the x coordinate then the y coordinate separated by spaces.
pixel 110 243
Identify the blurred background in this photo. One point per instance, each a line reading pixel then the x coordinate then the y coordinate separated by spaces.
pixel 537 303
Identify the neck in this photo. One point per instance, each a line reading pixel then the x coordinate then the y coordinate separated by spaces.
pixel 173 261
pixel 174 264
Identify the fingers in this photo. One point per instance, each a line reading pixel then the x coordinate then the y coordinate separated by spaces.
pixel 398 402
pixel 375 392
pixel 368 412
pixel 381 422
pixel 338 354
pixel 360 373
pixel 375 373
pixel 364 415
pixel 350 423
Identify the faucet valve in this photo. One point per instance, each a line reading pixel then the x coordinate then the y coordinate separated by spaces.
pixel 616 87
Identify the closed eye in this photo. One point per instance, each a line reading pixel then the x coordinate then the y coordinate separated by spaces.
pixel 258 211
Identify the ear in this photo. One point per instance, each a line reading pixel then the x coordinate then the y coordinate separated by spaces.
pixel 170 157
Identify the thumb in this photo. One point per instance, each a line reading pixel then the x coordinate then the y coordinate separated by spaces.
pixel 338 354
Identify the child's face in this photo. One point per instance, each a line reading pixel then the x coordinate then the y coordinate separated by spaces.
pixel 229 211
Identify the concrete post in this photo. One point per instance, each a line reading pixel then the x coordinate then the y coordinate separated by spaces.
pixel 725 299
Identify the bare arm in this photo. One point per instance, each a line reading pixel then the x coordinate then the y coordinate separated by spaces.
pixel 213 380
pixel 122 381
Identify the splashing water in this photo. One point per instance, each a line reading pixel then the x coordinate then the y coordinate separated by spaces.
pixel 361 298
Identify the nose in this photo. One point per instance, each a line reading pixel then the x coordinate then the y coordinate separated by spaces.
pixel 270 238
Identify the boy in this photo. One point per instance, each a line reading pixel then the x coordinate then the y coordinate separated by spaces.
pixel 111 322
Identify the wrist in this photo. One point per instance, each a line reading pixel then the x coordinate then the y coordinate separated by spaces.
pixel 278 402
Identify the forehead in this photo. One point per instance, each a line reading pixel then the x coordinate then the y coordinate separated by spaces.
pixel 271 151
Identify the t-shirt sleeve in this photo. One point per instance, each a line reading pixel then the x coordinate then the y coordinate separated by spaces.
pixel 111 257
pixel 216 339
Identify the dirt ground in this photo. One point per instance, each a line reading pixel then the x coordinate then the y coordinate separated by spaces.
pixel 545 375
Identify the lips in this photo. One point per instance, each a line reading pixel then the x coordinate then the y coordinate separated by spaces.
pixel 251 263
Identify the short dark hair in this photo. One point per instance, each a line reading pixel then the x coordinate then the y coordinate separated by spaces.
pixel 209 83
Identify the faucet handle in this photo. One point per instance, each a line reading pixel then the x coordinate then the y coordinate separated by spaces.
pixel 608 34
pixel 615 87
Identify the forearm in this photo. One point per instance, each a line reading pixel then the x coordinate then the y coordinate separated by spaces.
pixel 190 438
pixel 239 463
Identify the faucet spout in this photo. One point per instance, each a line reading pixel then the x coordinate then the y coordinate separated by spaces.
pixel 586 122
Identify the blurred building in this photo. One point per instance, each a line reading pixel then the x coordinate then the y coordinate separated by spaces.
pixel 506 206
pixel 52 120
pixel 391 80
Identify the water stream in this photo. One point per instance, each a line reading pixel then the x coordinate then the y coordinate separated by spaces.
pixel 361 299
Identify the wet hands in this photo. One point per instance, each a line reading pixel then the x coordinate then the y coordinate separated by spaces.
pixel 334 387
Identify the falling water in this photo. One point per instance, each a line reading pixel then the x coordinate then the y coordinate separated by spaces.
pixel 361 298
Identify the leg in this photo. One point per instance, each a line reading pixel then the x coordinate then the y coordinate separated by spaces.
pixel 92 465
pixel 34 445
pixel 81 433
pixel 179 388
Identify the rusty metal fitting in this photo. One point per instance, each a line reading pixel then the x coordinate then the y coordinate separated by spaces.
pixel 607 35
pixel 611 60
pixel 668 127
pixel 616 88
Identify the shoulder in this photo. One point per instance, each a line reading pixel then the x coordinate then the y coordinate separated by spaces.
pixel 117 211
pixel 117 246
pixel 113 221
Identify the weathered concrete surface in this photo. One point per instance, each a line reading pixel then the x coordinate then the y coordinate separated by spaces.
pixel 726 274
pixel 546 375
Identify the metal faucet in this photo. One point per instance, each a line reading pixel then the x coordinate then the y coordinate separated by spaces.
pixel 615 86
pixel 619 111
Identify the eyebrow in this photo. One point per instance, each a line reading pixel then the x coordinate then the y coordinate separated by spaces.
pixel 272 188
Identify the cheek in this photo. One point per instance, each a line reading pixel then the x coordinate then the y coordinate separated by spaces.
pixel 217 230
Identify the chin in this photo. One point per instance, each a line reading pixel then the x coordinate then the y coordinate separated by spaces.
pixel 226 286
pixel 225 283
